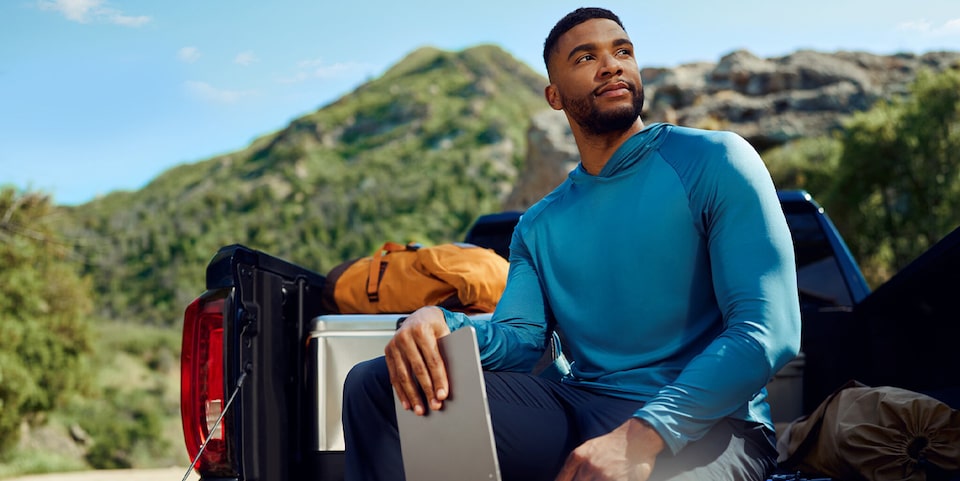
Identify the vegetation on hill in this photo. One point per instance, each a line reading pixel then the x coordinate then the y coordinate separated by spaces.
pixel 85 393
pixel 44 304
pixel 897 191
pixel 91 296
pixel 415 155
pixel 891 178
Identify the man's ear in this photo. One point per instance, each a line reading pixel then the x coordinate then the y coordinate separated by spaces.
pixel 553 97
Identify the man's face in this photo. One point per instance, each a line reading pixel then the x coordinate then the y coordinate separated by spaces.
pixel 595 78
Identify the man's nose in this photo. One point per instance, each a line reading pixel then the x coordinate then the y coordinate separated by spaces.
pixel 610 65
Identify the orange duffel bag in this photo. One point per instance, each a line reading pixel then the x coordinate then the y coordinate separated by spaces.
pixel 402 278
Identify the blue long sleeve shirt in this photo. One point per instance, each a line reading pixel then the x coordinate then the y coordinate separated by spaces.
pixel 670 276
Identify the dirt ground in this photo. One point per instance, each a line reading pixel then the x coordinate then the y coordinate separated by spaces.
pixel 165 474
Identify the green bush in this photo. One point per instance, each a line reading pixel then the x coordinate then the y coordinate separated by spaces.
pixel 45 346
pixel 22 462
pixel 897 189
pixel 126 427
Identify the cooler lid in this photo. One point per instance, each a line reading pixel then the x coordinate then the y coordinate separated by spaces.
pixel 330 323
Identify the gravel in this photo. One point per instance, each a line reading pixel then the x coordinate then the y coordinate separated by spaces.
pixel 165 474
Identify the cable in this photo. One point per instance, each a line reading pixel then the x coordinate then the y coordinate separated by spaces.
pixel 216 424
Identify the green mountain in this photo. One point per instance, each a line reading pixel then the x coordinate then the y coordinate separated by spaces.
pixel 415 155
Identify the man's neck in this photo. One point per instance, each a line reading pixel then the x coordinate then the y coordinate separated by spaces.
pixel 596 149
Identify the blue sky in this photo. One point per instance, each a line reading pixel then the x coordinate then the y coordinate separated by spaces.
pixel 104 95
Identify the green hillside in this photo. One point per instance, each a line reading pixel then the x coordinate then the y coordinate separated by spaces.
pixel 415 155
pixel 90 377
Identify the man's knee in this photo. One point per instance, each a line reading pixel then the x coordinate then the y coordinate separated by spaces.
pixel 732 449
pixel 367 379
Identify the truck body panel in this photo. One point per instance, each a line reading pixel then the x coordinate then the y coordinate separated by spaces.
pixel 285 423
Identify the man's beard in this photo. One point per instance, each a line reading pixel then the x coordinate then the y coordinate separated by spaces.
pixel 593 121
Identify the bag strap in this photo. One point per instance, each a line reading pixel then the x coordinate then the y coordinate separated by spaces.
pixel 377 267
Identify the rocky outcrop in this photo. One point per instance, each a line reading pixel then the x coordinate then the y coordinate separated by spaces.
pixel 775 100
pixel 769 101
pixel 551 154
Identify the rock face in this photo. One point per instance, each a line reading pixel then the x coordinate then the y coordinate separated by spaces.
pixel 768 101
pixel 551 154
pixel 771 101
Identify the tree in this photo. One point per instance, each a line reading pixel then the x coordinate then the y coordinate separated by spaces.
pixel 43 308
pixel 898 185
pixel 808 163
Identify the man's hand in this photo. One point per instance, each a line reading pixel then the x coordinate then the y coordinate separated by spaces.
pixel 413 357
pixel 626 453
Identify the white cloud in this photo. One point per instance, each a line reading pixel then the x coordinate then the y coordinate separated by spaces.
pixel 128 20
pixel 926 27
pixel 246 58
pixel 86 11
pixel 189 54
pixel 294 79
pixel 952 27
pixel 335 70
pixel 310 63
pixel 318 69
pixel 915 26
pixel 75 10
pixel 209 93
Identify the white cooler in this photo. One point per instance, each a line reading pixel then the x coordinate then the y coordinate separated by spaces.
pixel 336 343
pixel 339 341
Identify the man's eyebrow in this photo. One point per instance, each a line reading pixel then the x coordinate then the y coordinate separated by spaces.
pixel 586 47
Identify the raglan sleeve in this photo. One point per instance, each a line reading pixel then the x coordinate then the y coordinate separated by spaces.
pixel 514 339
pixel 754 277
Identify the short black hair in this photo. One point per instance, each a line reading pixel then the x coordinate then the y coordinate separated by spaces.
pixel 571 20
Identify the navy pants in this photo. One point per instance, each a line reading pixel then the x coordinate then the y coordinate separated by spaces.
pixel 537 423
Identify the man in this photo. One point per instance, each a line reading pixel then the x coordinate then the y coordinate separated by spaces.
pixel 665 263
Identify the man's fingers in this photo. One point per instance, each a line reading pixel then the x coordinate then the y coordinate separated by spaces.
pixel 425 363
pixel 605 458
pixel 414 362
pixel 436 369
pixel 399 374
pixel 415 375
pixel 570 472
pixel 566 474
pixel 570 467
pixel 407 377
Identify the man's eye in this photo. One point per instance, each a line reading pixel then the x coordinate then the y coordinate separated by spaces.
pixel 585 58
pixel 625 52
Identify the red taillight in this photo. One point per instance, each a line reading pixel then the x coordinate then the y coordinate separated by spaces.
pixel 202 396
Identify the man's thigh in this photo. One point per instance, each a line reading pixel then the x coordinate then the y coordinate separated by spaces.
pixel 530 425
pixel 733 450
pixel 537 422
